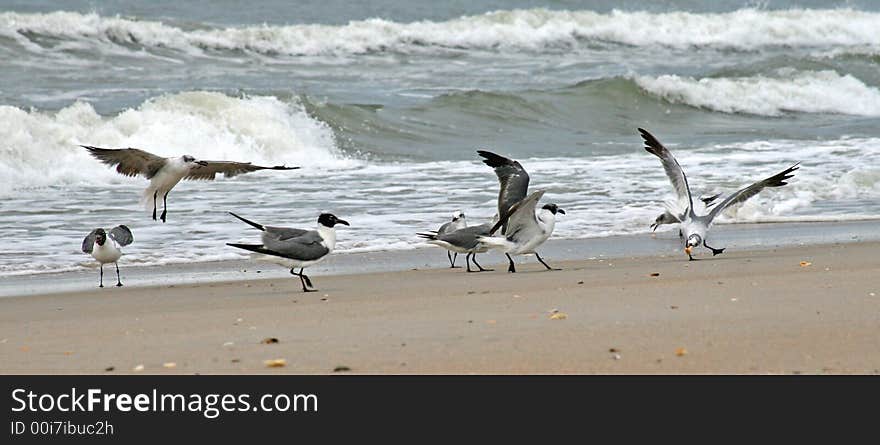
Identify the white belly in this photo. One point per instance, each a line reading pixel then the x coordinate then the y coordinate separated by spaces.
pixel 108 253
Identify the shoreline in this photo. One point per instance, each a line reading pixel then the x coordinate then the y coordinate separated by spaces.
pixel 739 236
pixel 746 311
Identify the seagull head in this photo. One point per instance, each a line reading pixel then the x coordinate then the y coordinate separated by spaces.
pixel 457 216
pixel 330 220
pixel 693 240
pixel 191 160
pixel 100 237
pixel 553 208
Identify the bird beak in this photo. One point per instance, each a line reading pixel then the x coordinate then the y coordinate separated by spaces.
pixel 561 211
pixel 202 163
pixel 688 250
pixel 342 221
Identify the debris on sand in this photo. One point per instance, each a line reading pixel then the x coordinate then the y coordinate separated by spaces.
pixel 654 274
pixel 680 352
pixel 269 340
pixel 275 363
pixel 558 315
pixel 169 365
pixel 341 368
pixel 138 368
pixel 109 368
pixel 806 263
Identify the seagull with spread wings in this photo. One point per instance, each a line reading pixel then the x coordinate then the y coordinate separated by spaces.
pixel 697 226
pixel 107 247
pixel 165 173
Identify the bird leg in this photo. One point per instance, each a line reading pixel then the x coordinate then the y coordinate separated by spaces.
pixel 155 197
pixel 467 260
pixel 510 268
pixel 474 257
pixel 714 250
pixel 452 259
pixel 306 277
pixel 303 280
pixel 118 281
pixel 102 276
pixel 542 262
pixel 164 206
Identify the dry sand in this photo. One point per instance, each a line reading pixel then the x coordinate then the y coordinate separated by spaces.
pixel 741 312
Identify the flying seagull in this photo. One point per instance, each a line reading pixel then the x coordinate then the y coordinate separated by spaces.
pixel 458 222
pixel 462 241
pixel 165 173
pixel 525 230
pixel 106 250
pixel 696 226
pixel 296 247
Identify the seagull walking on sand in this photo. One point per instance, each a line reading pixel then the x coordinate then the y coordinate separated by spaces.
pixel 696 226
pixel 529 231
pixel 526 230
pixel 165 173
pixel 462 241
pixel 107 249
pixel 296 247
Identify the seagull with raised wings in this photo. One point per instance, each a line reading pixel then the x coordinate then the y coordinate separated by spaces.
pixel 165 173
pixel 696 226
pixel 107 248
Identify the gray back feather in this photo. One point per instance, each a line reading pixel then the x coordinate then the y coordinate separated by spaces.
pixel 305 247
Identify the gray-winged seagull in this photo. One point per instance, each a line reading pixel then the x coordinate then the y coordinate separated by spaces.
pixel 107 249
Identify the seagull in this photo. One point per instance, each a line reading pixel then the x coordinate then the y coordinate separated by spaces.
pixel 298 247
pixel 696 226
pixel 462 241
pixel 668 217
pixel 458 222
pixel 525 230
pixel 96 244
pixel 165 173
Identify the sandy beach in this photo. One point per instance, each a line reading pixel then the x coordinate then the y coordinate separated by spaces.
pixel 746 311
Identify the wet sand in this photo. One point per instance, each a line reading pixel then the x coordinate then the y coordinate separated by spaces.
pixel 746 311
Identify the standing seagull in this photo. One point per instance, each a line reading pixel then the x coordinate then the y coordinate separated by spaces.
pixel 458 222
pixel 165 173
pixel 462 241
pixel 96 244
pixel 298 247
pixel 525 230
pixel 696 226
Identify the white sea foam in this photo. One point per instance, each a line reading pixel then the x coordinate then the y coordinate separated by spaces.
pixel 39 149
pixel 788 90
pixel 515 29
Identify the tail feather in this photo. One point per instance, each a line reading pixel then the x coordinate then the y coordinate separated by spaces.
pixel 430 236
pixel 249 222
pixel 495 242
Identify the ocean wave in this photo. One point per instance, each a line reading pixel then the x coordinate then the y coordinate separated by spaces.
pixel 39 149
pixel 787 91
pixel 531 29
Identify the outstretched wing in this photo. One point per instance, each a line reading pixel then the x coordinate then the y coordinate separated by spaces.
pixel 512 177
pixel 521 216
pixel 228 168
pixel 673 170
pixel 89 241
pixel 122 235
pixel 742 195
pixel 128 161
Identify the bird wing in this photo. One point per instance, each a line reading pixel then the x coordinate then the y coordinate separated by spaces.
pixel 520 217
pixel 283 233
pixel 308 246
pixel 673 170
pixel 122 235
pixel 128 161
pixel 89 241
pixel 465 238
pixel 512 176
pixel 742 195
pixel 228 168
